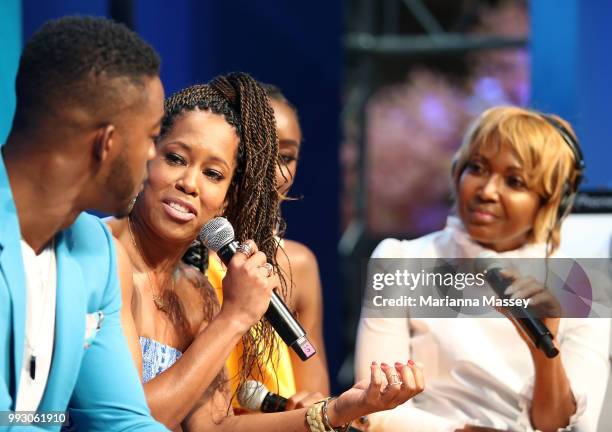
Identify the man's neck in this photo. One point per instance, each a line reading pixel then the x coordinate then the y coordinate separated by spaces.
pixel 44 192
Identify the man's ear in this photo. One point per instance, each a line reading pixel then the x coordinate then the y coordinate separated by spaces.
pixel 103 142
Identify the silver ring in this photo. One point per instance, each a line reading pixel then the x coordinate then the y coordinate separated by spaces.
pixel 246 249
pixel 268 267
pixel 395 380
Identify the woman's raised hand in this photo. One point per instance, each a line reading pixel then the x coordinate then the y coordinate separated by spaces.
pixel 388 387
pixel 247 286
pixel 541 301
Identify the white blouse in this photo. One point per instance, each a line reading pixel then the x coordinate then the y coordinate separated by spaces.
pixel 477 370
pixel 41 285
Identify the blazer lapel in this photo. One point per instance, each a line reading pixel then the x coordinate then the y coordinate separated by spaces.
pixel 11 267
pixel 70 315
pixel 12 270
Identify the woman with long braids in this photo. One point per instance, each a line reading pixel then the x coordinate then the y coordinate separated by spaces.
pixel 217 154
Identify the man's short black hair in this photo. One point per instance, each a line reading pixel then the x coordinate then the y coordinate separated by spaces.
pixel 71 60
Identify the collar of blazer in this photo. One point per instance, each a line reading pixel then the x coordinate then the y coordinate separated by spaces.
pixel 71 305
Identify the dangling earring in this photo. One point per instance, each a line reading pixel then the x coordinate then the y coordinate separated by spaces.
pixel 133 203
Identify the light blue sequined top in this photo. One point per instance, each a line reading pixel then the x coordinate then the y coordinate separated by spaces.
pixel 156 358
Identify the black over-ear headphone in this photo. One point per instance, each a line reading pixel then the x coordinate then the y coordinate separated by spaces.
pixel 568 194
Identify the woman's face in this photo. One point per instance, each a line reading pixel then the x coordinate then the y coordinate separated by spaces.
pixel 189 178
pixel 495 204
pixel 289 139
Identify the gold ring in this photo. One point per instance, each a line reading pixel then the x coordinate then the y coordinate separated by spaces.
pixel 246 249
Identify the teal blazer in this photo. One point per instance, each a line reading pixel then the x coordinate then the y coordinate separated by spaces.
pixel 92 371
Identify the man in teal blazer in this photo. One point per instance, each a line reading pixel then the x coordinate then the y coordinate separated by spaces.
pixel 89 104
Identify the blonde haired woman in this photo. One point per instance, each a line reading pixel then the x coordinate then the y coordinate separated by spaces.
pixel 514 178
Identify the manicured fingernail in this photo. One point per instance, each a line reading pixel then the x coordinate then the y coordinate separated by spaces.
pixel 509 290
pixel 385 365
pixel 411 362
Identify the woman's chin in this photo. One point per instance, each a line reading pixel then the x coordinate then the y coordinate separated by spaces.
pixel 492 239
pixel 485 235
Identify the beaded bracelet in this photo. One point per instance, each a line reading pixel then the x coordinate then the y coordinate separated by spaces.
pixel 314 417
pixel 318 421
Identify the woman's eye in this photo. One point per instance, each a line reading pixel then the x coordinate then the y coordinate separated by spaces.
pixel 174 159
pixel 516 182
pixel 287 159
pixel 474 167
pixel 214 175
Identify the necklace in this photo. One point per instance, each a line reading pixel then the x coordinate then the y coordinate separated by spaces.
pixel 46 285
pixel 158 300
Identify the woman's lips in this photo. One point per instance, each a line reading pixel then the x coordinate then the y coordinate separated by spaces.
pixel 482 216
pixel 178 211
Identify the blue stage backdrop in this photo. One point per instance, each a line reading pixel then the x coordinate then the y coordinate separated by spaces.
pixel 571 71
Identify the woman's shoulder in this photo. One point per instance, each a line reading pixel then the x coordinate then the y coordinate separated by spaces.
pixel 119 230
pixel 116 226
pixel 298 254
pixel 197 293
pixel 195 279
pixel 421 247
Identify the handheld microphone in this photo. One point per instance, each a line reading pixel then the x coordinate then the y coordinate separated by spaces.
pixel 218 235
pixel 255 396
pixel 531 325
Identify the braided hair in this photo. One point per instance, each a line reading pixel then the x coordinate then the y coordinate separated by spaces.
pixel 252 200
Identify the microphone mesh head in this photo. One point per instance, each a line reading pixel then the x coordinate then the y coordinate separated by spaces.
pixel 252 395
pixel 216 233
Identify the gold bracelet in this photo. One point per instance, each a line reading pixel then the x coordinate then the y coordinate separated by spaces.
pixel 326 422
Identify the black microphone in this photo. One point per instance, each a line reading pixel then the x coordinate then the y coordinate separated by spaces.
pixel 218 235
pixel 255 396
pixel 531 325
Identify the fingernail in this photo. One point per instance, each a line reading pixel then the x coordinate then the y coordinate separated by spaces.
pixel 398 364
pixel 374 363
pixel 509 290
pixel 515 295
pixel 385 365
pixel 411 362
